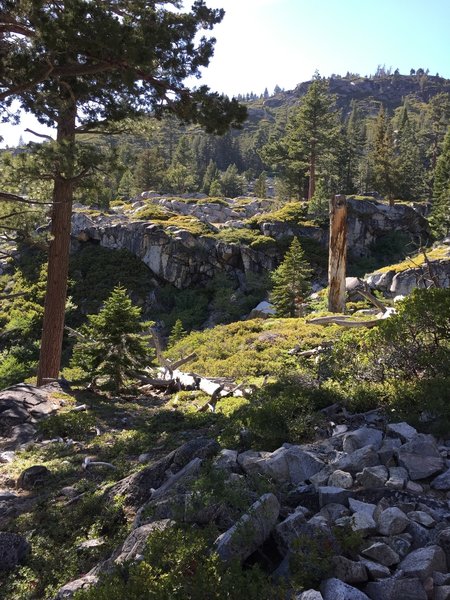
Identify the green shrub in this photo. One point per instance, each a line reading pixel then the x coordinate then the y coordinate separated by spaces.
pixel 285 411
pixel 178 565
pixel 112 348
pixel 75 425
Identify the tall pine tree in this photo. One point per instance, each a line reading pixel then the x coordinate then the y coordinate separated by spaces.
pixel 78 65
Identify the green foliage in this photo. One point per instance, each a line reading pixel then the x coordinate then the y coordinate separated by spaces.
pixel 75 425
pixel 310 561
pixel 231 182
pixel 318 205
pixel 177 333
pixel 178 565
pixel 261 185
pixel 290 282
pixel 113 347
pixel 440 214
pixel 282 411
pixel 251 348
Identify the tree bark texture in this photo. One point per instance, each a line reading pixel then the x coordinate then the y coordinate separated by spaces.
pixel 58 255
pixel 337 259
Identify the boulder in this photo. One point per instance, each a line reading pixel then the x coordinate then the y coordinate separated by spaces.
pixel 398 477
pixel 134 544
pixel 348 570
pixel 374 569
pixel 396 589
pixel 381 553
pixel 363 523
pixel 69 590
pixel 442 481
pixel 13 550
pixel 443 540
pixel 358 460
pixel 335 589
pixel 340 479
pixel 392 521
pixel 361 507
pixel 364 436
pixel 372 477
pixel 290 529
pixel 401 430
pixel 309 595
pixel 422 562
pixel 33 477
pixel 420 456
pixel 250 531
pixel 333 495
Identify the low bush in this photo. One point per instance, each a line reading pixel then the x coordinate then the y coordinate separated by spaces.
pixel 178 565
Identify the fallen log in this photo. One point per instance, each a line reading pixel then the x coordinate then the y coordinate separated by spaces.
pixel 345 320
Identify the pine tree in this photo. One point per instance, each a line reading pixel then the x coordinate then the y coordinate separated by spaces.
pixel 114 348
pixel 308 139
pixel 409 167
pixel 261 186
pixel 290 282
pixel 79 66
pixel 210 175
pixel 384 175
pixel 177 333
pixel 440 213
pixel 231 182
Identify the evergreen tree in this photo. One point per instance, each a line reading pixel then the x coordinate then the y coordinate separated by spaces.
pixel 215 189
pixel 290 282
pixel 261 186
pixel 231 182
pixel 409 166
pixel 318 206
pixel 177 333
pixel 79 65
pixel 114 348
pixel 440 213
pixel 384 175
pixel 309 138
pixel 210 175
pixel 150 169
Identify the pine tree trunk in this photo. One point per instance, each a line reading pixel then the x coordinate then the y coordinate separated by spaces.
pixel 58 256
pixel 312 171
pixel 337 262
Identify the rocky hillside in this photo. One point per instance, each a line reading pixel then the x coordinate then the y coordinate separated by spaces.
pixel 183 253
pixel 361 512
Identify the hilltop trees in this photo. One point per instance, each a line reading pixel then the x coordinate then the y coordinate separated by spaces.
pixel 308 138
pixel 79 66
pixel 440 214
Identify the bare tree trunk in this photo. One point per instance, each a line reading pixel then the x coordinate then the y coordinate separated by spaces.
pixel 312 171
pixel 58 256
pixel 337 261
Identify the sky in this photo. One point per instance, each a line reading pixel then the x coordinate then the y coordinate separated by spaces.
pixel 263 43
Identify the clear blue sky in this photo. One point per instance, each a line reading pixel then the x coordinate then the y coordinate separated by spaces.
pixel 262 43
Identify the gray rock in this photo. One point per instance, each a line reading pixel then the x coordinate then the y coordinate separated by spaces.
pixel 69 590
pixel 333 495
pixel 134 544
pixel 365 436
pixel 401 544
pixel 358 460
pixel 322 477
pixel 420 456
pixel 396 589
pixel 227 460
pixel 335 589
pixel 372 477
pixel 332 512
pixel 442 481
pixel 392 521
pixel 387 451
pixel 340 479
pixel 398 476
pixel 420 535
pixel 374 569
pixel 349 571
pixel 442 592
pixel 421 517
pixel 292 464
pixel 289 530
pixel 443 540
pixel 381 553
pixel 7 456
pixel 309 595
pixel 33 477
pixel 422 562
pixel 250 531
pixel 361 507
pixel 401 430
pixel 13 550
pixel 363 523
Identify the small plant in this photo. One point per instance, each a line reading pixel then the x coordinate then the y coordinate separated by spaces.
pixel 113 347
pixel 76 425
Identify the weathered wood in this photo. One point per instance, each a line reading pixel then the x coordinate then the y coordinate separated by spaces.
pixel 337 261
